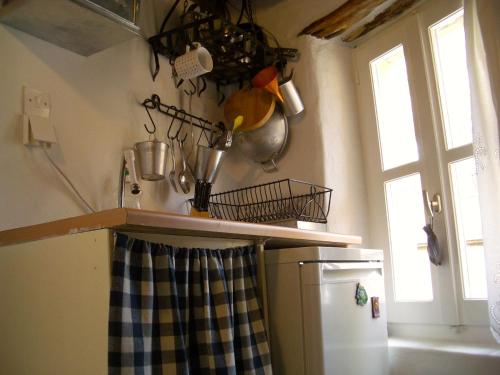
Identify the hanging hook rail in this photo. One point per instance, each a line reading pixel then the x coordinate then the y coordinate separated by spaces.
pixel 182 116
pixel 170 110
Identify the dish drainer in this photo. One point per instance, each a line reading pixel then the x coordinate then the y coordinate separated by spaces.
pixel 276 201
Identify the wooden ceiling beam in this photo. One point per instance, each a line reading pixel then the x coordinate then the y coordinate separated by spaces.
pixel 342 18
pixel 394 10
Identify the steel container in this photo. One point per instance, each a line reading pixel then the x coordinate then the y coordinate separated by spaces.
pixel 152 159
pixel 292 102
pixel 208 162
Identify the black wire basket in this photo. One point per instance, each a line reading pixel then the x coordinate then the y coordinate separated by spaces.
pixel 276 201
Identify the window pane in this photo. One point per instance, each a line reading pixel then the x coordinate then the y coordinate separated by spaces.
pixel 448 45
pixel 410 262
pixel 470 235
pixel 396 132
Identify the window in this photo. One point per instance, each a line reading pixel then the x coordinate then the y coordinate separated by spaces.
pixel 394 113
pixel 448 47
pixel 410 263
pixel 468 219
pixel 414 98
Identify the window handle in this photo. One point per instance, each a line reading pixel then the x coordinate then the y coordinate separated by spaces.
pixel 433 206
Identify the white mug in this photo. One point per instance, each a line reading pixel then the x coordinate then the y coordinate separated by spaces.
pixel 194 62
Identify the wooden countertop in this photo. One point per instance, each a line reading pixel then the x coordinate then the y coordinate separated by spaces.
pixel 127 219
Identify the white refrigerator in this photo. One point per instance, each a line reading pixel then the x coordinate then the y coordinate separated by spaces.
pixel 327 311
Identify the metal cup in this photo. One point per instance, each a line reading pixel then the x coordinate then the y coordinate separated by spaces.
pixel 152 159
pixel 208 162
pixel 292 103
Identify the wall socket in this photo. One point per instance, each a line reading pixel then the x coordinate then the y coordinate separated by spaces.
pixel 36 103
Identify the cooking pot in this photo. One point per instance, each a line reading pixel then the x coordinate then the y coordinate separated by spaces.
pixel 265 144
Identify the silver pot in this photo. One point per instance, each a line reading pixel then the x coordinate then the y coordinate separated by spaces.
pixel 265 144
pixel 152 159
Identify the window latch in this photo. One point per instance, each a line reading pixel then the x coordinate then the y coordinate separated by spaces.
pixel 433 206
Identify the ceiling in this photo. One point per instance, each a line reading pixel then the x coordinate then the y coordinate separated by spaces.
pixel 356 18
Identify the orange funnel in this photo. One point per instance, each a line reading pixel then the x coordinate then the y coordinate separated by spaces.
pixel 267 79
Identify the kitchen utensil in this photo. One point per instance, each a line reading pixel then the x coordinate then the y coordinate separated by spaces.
pixel 292 104
pixel 201 198
pixel 255 105
pixel 152 159
pixel 226 140
pixel 208 162
pixel 266 144
pixel 267 79
pixel 171 175
pixel 183 178
pixel 194 63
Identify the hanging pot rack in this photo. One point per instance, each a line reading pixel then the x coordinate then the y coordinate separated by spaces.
pixel 239 50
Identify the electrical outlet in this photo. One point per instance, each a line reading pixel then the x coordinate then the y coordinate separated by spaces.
pixel 36 103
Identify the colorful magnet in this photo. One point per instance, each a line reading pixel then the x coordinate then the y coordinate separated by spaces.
pixel 375 307
pixel 361 295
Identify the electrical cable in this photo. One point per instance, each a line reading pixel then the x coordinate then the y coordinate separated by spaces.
pixel 63 175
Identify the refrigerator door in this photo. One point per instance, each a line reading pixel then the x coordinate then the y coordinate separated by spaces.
pixel 340 335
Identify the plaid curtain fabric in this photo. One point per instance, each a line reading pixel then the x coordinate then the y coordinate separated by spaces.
pixel 185 311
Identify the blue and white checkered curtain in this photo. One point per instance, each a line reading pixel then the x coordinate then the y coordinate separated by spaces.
pixel 185 311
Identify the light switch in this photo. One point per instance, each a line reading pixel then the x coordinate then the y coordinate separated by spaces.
pixel 37 129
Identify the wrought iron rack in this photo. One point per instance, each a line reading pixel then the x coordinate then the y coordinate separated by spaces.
pixel 182 116
pixel 238 51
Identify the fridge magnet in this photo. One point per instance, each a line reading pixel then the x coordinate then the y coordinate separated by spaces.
pixel 361 295
pixel 375 307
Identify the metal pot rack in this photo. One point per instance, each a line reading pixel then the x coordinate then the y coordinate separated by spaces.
pixel 239 50
pixel 173 133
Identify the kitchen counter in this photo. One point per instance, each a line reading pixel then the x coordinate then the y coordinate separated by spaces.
pixel 133 220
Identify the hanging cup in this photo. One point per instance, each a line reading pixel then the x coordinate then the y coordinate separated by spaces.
pixel 293 104
pixel 267 79
pixel 194 63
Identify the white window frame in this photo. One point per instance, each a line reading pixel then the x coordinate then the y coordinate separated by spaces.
pixel 448 306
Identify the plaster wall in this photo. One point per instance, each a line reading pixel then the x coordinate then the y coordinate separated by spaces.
pixel 325 146
pixel 95 113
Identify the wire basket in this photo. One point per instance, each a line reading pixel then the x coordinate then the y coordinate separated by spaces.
pixel 281 200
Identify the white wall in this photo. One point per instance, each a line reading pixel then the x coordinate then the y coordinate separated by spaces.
pixel 324 141
pixel 95 113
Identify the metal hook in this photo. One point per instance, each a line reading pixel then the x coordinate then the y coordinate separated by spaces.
pixel 193 89
pixel 171 124
pixel 154 125
pixel 182 123
pixel 220 96
pixel 179 83
pixel 155 99
pixel 203 87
